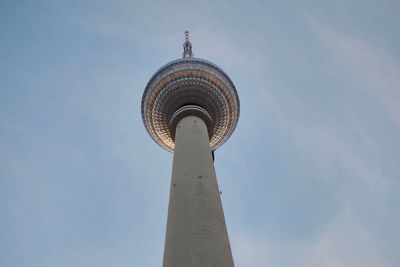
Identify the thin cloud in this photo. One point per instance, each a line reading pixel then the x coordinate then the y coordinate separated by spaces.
pixel 346 242
pixel 371 66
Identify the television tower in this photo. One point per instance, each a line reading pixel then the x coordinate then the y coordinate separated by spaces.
pixel 190 107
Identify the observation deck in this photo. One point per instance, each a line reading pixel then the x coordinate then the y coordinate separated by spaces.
pixel 190 86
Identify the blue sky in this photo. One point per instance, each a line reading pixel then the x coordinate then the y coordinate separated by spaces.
pixel 311 176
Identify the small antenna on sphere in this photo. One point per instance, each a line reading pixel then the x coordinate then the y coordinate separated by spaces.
pixel 186 36
pixel 187 47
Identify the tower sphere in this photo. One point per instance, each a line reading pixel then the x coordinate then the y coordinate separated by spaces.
pixel 190 86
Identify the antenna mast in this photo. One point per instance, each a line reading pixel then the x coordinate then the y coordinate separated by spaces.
pixel 187 47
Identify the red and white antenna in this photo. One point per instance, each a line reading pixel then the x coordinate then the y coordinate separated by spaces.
pixel 187 36
pixel 187 47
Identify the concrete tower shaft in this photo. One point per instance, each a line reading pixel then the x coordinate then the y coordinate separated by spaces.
pixel 196 230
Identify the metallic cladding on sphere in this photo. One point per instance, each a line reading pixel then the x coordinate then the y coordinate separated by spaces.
pixel 190 81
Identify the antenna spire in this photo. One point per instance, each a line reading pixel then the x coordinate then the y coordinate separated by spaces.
pixel 187 47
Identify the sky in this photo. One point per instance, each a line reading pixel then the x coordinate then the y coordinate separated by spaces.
pixel 310 177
